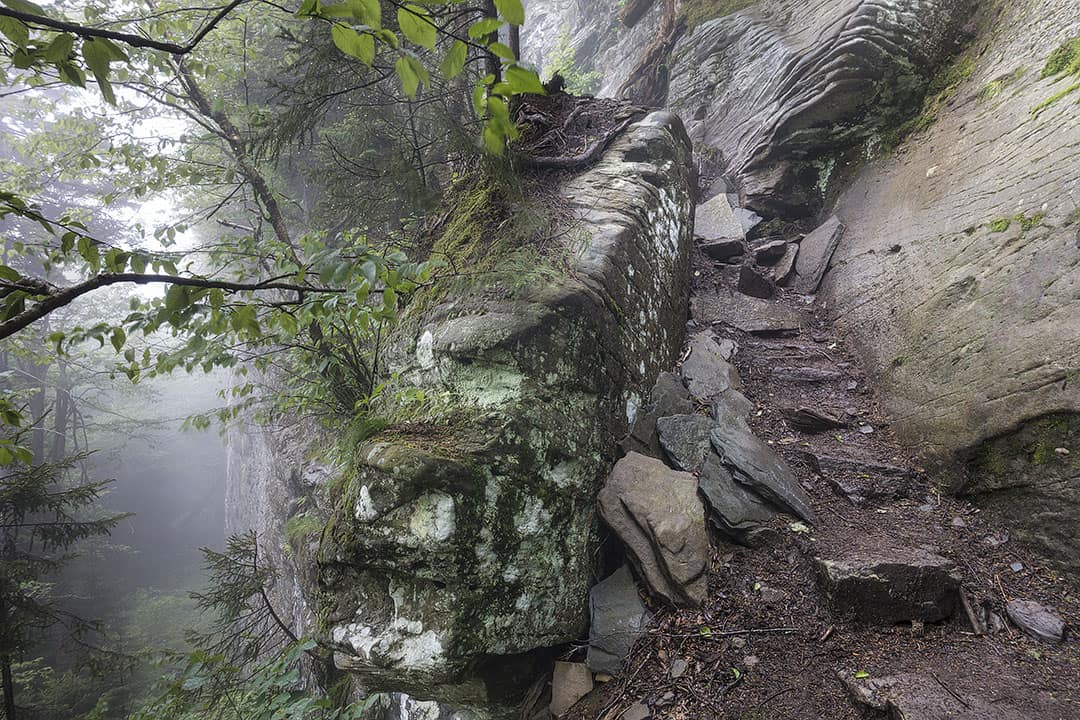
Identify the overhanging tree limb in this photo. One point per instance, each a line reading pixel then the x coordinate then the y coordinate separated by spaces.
pixel 130 39
pixel 60 297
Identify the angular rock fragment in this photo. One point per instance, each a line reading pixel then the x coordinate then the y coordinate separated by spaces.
pixel 656 513
pixel 890 585
pixel 725 250
pixel 734 510
pixel 770 252
pixel 914 696
pixel 747 218
pixel 754 464
pixel 569 683
pixel 815 252
pixel 685 439
pixel 617 619
pixel 860 481
pixel 668 397
pixel 755 282
pixel 731 406
pixel 1038 621
pixel 714 220
pixel 810 420
pixel 784 269
pixel 706 371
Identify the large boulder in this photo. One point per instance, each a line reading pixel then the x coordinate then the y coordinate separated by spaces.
pixel 458 542
pixel 656 513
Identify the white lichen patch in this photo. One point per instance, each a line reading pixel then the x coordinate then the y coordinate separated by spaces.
pixel 487 386
pixel 364 509
pixel 533 518
pixel 425 351
pixel 404 644
pixel 432 517
pixel 633 406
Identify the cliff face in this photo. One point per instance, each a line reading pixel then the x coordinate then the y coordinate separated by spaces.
pixel 957 275
pixel 449 556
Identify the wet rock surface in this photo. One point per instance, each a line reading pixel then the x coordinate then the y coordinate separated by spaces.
pixel 668 397
pixel 890 585
pixel 657 515
pixel 706 370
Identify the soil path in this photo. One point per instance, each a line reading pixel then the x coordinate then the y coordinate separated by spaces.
pixel 766 644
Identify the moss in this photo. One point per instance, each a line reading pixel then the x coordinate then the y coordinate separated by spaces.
pixel 1000 225
pixel 1073 218
pixel 1029 222
pixel 301 526
pixel 697 12
pixel 1064 60
pixel 1061 63
pixel 939 89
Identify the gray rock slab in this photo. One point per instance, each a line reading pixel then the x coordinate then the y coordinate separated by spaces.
pixel 569 683
pixel 784 270
pixel 747 218
pixel 730 407
pixel 668 397
pixel 618 618
pixel 735 510
pixel 685 440
pixel 755 281
pixel 815 252
pixel 769 253
pixel 754 464
pixel 811 420
pixel 656 513
pixel 860 480
pixel 884 586
pixel 723 250
pixel 917 696
pixel 706 371
pixel 749 314
pixel 805 374
pixel 1038 621
pixel 714 220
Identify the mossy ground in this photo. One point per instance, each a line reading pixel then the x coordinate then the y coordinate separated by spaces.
pixel 1063 62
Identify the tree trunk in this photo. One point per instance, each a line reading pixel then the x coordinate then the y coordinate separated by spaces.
pixel 9 688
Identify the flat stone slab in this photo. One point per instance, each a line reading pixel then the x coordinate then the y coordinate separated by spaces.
pixel 756 282
pixel 815 252
pixel 892 585
pixel 724 250
pixel 1038 621
pixel 656 513
pixel 685 439
pixel 569 683
pixel 706 370
pixel 859 480
pixel 805 374
pixel 617 619
pixel 754 464
pixel 811 420
pixel 749 314
pixel 769 253
pixel 715 220
pixel 915 696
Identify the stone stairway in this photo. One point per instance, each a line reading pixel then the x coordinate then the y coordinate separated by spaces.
pixel 833 579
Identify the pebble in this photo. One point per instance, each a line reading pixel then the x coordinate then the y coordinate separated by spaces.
pixel 959 522
pixel 678 668
pixel 998 538
pixel 1016 566
pixel 866 429
pixel 1038 621
pixel 738 643
pixel 637 711
pixel 852 385
pixel 750 660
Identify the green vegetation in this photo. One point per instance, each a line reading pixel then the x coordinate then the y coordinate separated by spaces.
pixel 995 87
pixel 697 12
pixel 1000 225
pixel 1064 62
pixel 940 88
pixel 579 81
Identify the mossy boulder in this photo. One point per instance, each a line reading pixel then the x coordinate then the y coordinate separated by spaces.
pixel 452 555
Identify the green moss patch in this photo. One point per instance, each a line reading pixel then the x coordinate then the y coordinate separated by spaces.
pixel 698 11
pixel 1064 62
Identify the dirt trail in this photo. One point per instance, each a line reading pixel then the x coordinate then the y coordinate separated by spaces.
pixel 767 644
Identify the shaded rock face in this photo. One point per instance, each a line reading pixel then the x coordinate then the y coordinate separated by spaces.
pixel 1031 478
pixel 442 553
pixel 958 275
pixel 918 696
pixel 617 619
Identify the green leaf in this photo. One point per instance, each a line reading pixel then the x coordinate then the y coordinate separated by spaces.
pixel 512 11
pixel 523 80
pixel 176 298
pixel 24 6
pixel 483 28
pixel 862 675
pixel 6 456
pixel 410 81
pixel 72 74
pixel 98 53
pixel 15 31
pixel 479 100
pixel 117 338
pixel 308 8
pixel 368 12
pixel 502 51
pixel 9 274
pixel 454 62
pixel 494 141
pixel 138 263
pixel 416 24
pixel 350 42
